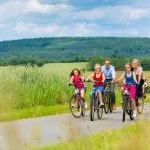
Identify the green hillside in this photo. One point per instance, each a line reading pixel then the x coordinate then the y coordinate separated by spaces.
pixel 67 48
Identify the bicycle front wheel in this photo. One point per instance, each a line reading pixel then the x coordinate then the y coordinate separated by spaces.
pixel 131 111
pixel 106 102
pixel 83 108
pixel 124 109
pixel 92 108
pixel 75 106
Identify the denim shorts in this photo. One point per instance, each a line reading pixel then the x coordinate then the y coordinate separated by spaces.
pixel 99 88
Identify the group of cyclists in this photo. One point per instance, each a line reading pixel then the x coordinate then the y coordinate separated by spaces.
pixel 133 79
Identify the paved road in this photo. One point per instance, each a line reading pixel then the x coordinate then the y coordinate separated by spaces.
pixel 59 128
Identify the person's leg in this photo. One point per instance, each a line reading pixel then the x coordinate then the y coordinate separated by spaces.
pixel 99 94
pixel 140 89
pixel 82 94
pixel 132 97
pixel 122 90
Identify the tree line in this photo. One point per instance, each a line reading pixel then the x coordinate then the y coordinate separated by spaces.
pixel 118 62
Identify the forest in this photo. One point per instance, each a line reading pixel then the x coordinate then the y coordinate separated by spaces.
pixel 72 49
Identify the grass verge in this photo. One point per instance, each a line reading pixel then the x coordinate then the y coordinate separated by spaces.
pixel 37 111
pixel 132 137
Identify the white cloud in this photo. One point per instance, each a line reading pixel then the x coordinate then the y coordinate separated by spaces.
pixel 78 29
pixel 10 10
pixel 135 13
pixel 37 7
pixel 94 14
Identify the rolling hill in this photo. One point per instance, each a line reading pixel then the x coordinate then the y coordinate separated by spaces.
pixel 62 48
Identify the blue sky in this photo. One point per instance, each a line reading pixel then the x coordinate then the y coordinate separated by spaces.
pixel 56 18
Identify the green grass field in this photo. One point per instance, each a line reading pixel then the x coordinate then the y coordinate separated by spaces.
pixel 32 91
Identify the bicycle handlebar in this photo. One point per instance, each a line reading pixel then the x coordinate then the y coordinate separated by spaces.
pixel 94 81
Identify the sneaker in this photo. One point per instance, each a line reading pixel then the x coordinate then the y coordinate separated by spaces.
pixel 101 104
pixel 134 113
pixel 74 105
pixel 85 105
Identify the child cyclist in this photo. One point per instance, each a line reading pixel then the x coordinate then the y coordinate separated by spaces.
pixel 130 84
pixel 99 79
pixel 77 80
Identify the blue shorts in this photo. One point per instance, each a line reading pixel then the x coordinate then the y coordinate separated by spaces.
pixel 99 88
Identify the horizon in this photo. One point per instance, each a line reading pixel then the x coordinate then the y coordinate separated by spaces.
pixel 28 19
pixel 32 38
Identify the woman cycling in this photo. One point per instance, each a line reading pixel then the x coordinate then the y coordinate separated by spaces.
pixel 139 76
pixel 130 84
pixel 77 80
pixel 99 79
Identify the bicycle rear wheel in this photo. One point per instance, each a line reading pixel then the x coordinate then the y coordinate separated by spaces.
pixel 99 112
pixel 75 106
pixel 140 106
pixel 106 102
pixel 110 105
pixel 92 108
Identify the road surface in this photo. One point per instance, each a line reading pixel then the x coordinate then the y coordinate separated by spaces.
pixel 54 129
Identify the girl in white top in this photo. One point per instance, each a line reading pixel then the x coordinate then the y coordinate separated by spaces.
pixel 138 70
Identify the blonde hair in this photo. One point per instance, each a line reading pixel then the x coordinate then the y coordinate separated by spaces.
pixel 136 60
pixel 127 64
pixel 97 65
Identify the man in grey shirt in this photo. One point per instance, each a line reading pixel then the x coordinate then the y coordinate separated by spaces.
pixel 110 76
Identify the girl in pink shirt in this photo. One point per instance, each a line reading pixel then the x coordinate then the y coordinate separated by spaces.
pixel 77 80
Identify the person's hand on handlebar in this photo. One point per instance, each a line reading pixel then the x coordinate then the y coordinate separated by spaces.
pixel 70 84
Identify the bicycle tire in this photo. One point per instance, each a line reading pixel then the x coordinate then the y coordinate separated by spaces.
pixel 131 114
pixel 124 109
pixel 124 115
pixel 92 108
pixel 140 107
pixel 106 103
pixel 83 109
pixel 131 111
pixel 110 105
pixel 99 112
pixel 76 112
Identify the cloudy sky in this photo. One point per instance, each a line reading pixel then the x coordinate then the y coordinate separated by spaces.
pixel 55 18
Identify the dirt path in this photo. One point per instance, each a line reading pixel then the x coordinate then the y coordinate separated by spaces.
pixel 58 128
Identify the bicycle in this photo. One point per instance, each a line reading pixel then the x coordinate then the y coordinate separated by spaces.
pixel 76 104
pixel 107 98
pixel 127 105
pixel 94 105
pixel 140 104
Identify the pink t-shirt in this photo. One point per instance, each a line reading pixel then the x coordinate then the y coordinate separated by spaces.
pixel 78 82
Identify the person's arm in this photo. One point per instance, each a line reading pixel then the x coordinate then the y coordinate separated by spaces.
pixel 90 77
pixel 71 80
pixel 103 76
pixel 121 78
pixel 113 74
pixel 102 69
pixel 82 78
pixel 140 74
pixel 134 77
